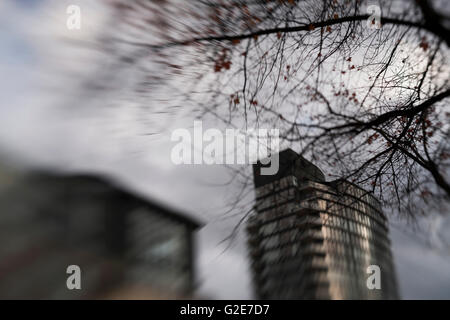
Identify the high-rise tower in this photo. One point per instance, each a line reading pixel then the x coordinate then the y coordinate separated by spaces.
pixel 312 239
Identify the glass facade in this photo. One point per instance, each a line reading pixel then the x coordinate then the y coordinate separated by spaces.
pixel 311 239
pixel 124 244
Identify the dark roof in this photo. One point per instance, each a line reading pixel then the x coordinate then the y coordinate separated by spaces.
pixel 116 187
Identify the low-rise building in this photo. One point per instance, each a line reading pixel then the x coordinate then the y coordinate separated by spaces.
pixel 126 245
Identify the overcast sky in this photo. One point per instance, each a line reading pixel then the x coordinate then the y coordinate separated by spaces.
pixel 44 122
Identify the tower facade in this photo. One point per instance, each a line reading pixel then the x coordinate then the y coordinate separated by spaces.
pixel 312 239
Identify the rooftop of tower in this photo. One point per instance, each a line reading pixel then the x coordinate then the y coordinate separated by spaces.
pixel 291 164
